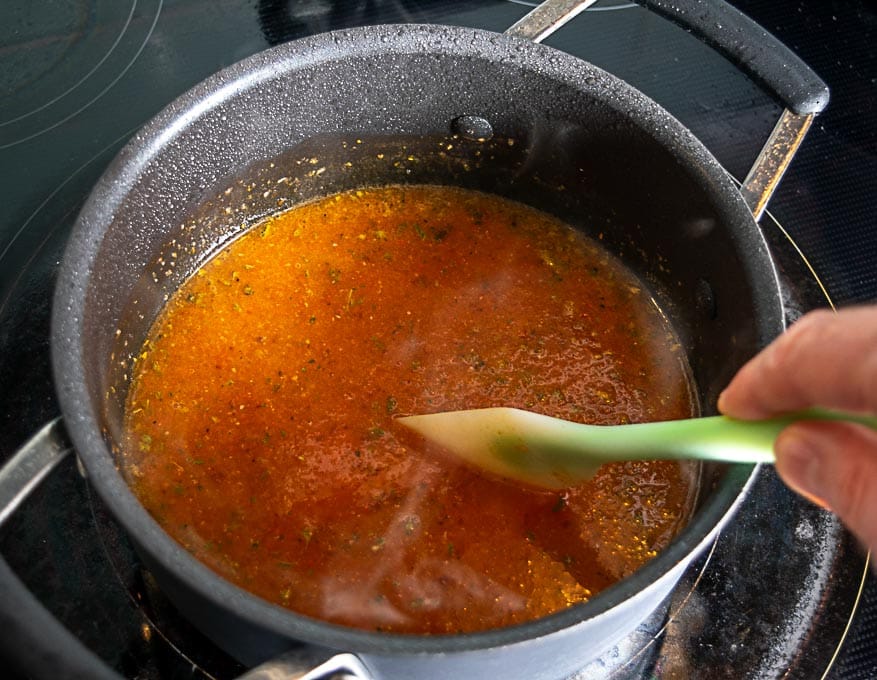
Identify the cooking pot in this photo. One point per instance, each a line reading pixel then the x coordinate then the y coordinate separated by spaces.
pixel 438 104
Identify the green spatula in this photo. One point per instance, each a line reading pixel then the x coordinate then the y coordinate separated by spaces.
pixel 554 453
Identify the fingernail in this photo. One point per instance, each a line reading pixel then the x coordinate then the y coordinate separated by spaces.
pixel 799 464
pixel 723 405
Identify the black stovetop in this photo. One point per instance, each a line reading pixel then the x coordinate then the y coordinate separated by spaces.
pixel 785 591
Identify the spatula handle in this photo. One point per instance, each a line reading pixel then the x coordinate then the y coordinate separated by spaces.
pixel 717 438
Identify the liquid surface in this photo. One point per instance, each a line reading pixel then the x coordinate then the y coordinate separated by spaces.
pixel 260 423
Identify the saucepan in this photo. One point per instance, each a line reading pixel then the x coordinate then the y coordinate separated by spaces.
pixel 588 148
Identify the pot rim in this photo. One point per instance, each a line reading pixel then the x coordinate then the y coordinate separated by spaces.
pixel 72 289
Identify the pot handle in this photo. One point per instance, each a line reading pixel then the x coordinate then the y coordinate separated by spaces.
pixel 30 465
pixel 748 46
pixel 339 667
pixel 27 625
pixel 770 64
pixel 25 622
pixel 724 28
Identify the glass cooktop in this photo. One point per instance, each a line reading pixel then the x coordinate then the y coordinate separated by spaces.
pixel 784 591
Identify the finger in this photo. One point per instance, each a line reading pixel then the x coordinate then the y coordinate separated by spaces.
pixel 835 465
pixel 826 359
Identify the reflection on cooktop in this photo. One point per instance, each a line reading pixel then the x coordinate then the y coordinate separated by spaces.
pixel 64 61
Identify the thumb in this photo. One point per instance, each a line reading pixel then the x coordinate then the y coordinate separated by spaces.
pixel 834 465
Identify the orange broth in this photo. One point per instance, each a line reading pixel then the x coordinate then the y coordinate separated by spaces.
pixel 260 425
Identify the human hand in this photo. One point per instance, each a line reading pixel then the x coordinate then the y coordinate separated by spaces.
pixel 826 360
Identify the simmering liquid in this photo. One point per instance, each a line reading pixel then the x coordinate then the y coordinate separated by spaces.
pixel 260 425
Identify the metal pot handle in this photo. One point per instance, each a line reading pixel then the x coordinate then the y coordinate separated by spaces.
pixel 30 465
pixel 28 622
pixel 748 46
pixel 25 621
pixel 26 626
pixel 286 667
pixel 724 28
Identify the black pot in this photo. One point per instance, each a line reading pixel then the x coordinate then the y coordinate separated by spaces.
pixel 587 147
